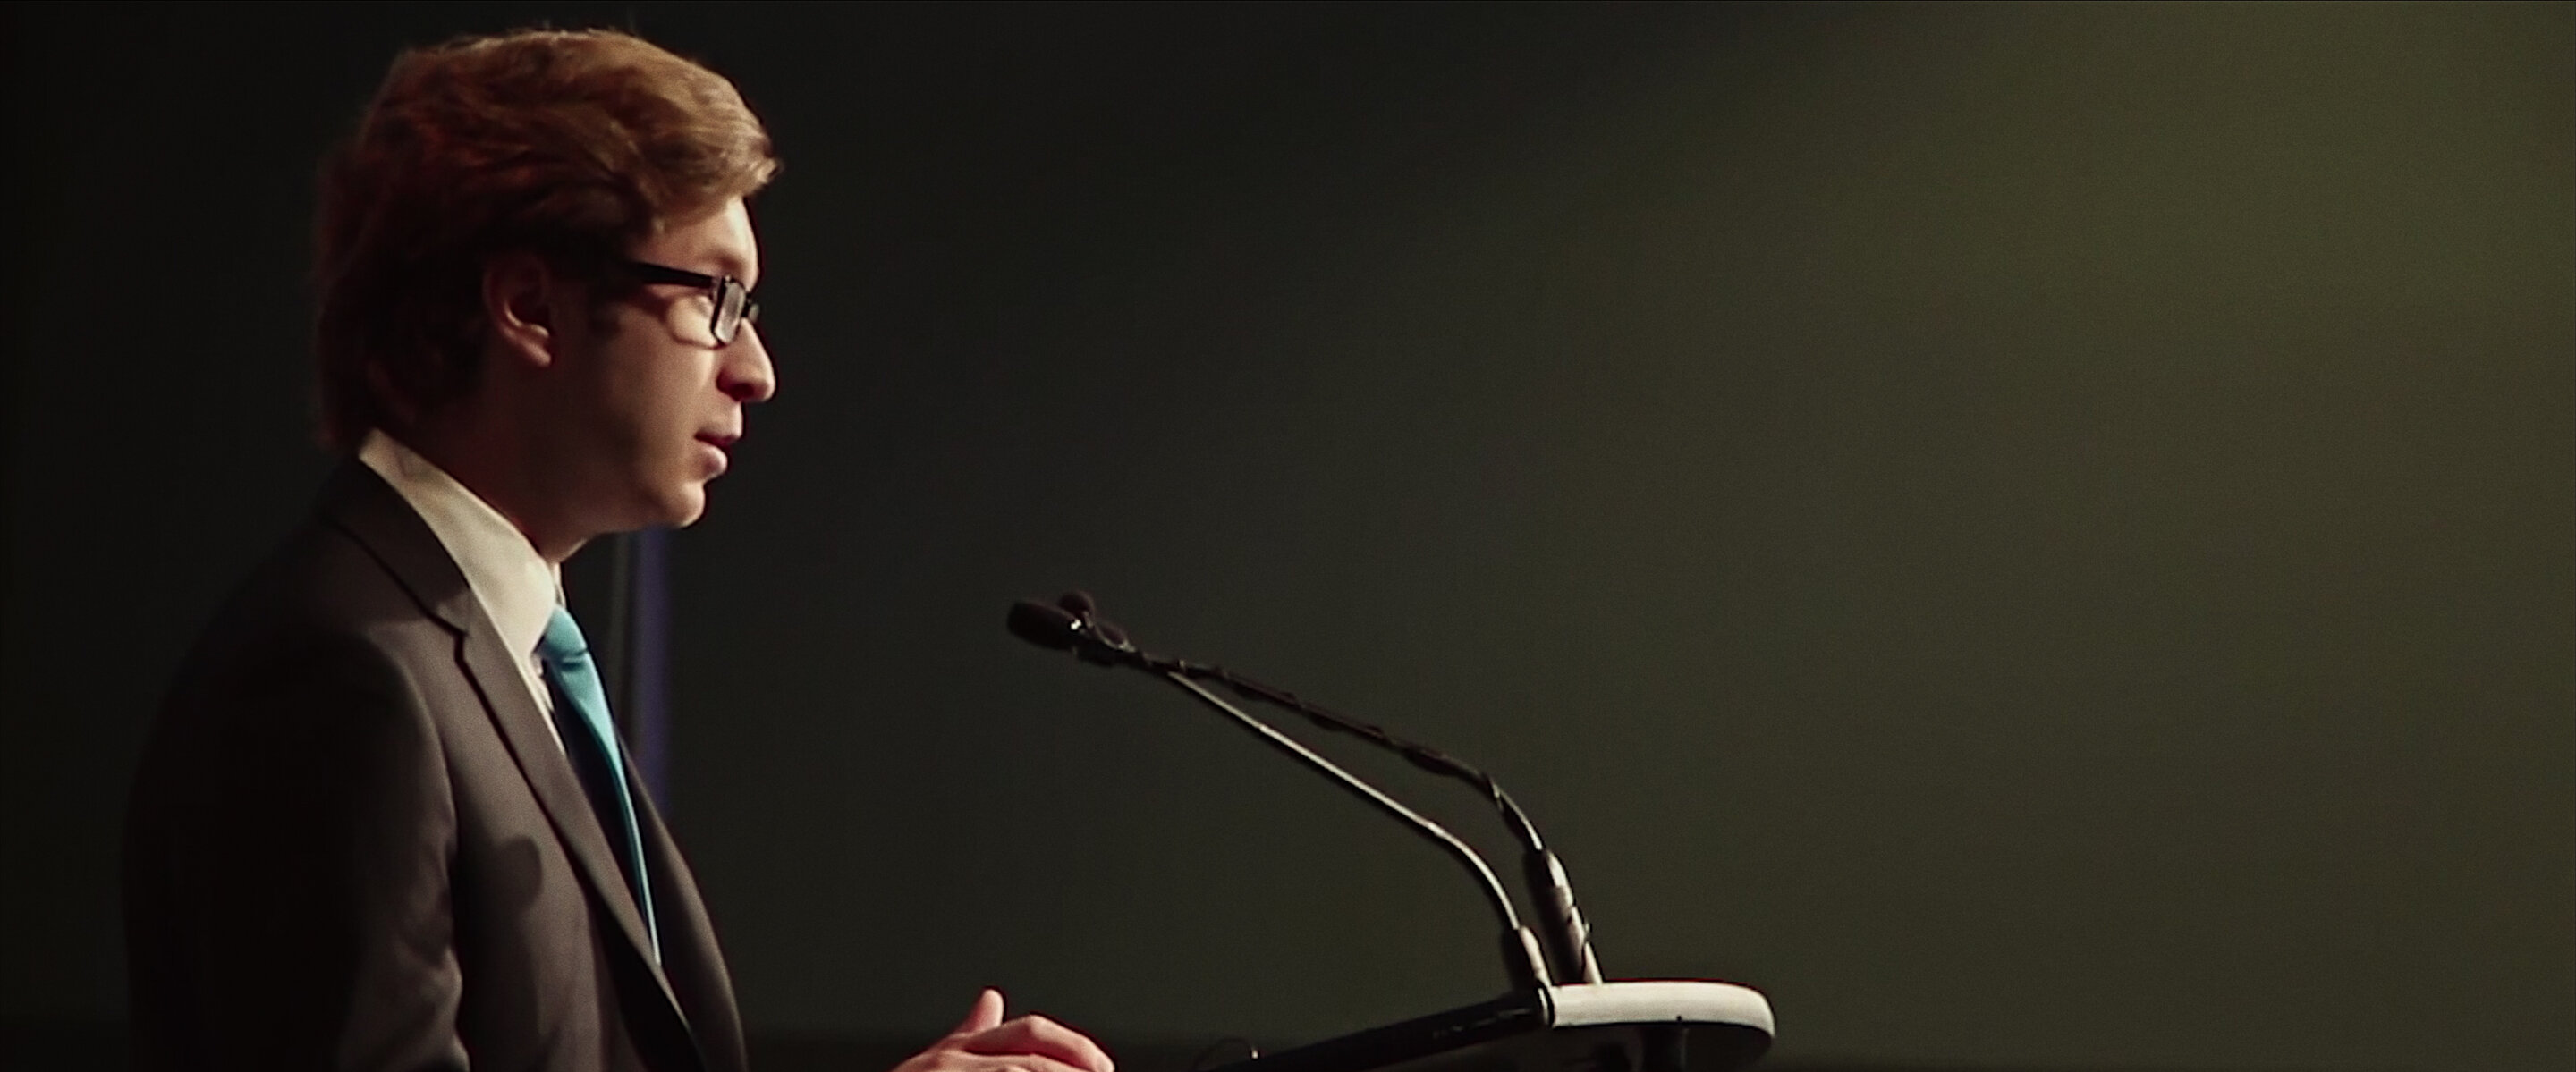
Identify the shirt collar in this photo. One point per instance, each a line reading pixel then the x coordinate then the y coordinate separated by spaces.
pixel 518 588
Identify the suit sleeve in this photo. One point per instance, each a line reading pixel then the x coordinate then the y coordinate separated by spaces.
pixel 292 844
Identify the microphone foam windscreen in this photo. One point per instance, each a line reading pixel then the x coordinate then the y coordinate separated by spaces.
pixel 1044 626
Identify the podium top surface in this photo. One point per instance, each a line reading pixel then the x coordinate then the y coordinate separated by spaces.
pixel 1642 1001
pixel 1668 1025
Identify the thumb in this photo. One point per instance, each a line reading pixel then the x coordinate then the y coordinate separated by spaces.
pixel 985 1016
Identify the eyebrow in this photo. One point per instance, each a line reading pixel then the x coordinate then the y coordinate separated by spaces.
pixel 712 261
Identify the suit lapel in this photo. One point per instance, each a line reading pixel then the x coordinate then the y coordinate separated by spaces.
pixel 557 788
pixel 362 504
pixel 689 951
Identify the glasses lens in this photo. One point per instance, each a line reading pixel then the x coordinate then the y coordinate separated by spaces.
pixel 729 302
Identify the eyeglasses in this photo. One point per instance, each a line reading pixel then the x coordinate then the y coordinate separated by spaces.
pixel 734 306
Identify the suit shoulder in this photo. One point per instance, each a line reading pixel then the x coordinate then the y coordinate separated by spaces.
pixel 320 600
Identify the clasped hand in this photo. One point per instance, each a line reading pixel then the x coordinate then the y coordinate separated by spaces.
pixel 985 1043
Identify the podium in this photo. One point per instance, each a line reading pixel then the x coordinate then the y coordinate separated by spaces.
pixel 1633 1026
pixel 1673 1025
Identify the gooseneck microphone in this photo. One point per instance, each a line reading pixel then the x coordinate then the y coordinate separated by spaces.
pixel 1561 929
pixel 1073 624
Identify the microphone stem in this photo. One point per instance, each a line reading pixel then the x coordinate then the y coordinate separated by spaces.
pixel 1562 932
pixel 1521 952
pixel 1420 755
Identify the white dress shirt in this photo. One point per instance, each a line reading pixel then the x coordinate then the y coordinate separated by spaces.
pixel 518 588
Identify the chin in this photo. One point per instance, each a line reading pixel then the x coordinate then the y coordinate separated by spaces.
pixel 675 507
pixel 688 509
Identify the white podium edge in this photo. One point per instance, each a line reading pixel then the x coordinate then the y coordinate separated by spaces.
pixel 1653 1001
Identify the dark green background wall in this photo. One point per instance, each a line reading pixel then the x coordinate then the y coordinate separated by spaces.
pixel 2035 535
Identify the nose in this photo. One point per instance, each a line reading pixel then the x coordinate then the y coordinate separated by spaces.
pixel 745 373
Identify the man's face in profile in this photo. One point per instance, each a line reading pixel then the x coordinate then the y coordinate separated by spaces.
pixel 649 404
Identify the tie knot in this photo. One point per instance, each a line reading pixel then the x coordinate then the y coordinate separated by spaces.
pixel 563 643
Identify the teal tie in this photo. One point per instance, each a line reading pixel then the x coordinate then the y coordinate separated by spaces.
pixel 590 741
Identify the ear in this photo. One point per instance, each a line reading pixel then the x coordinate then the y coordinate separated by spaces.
pixel 522 300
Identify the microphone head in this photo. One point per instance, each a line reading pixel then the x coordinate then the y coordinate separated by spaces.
pixel 1077 603
pixel 1044 626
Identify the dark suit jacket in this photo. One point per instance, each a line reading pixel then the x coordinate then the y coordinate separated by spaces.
pixel 354 844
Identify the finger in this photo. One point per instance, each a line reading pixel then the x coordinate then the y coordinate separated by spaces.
pixel 967 1061
pixel 983 1017
pixel 1043 1037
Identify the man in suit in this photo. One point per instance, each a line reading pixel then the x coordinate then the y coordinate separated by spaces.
pixel 383 821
